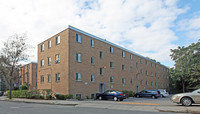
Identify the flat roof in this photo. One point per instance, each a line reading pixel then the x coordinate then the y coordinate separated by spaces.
pixel 110 43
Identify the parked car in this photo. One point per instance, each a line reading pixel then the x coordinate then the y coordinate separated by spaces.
pixel 148 93
pixel 163 93
pixel 187 99
pixel 111 94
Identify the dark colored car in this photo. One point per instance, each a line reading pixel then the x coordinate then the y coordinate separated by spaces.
pixel 148 93
pixel 111 94
pixel 1 93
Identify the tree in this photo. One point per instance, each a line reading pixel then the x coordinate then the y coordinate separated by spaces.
pixel 13 52
pixel 187 65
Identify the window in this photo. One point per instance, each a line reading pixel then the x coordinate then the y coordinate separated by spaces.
pixel 78 57
pixel 101 71
pixel 155 84
pixel 92 78
pixel 141 71
pixel 155 65
pixel 49 44
pixel 151 83
pixel 49 60
pixel 146 83
pixel 111 79
pixel 123 81
pixel 146 62
pixel 141 82
pixel 42 79
pixel 92 43
pixel 131 57
pixel 92 96
pixel 58 40
pixel 151 73
pixel 78 76
pixel 49 78
pixel 111 64
pixel 78 38
pixel 131 81
pixel 42 47
pixel 57 77
pixel 101 55
pixel 136 65
pixel 140 60
pixel 111 49
pixel 78 96
pixel 131 68
pixel 123 54
pixel 123 67
pixel 57 58
pixel 92 60
pixel 137 76
pixel 42 63
pixel 146 73
pixel 155 74
pixel 151 64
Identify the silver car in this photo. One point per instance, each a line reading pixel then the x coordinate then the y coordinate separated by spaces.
pixel 187 99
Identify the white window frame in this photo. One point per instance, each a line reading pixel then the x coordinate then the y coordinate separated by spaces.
pixel 78 57
pixel 49 60
pixel 123 67
pixel 57 77
pixel 92 43
pixel 42 63
pixel 123 54
pixel 92 60
pixel 92 78
pixel 42 47
pixel 111 79
pixel 57 40
pixel 123 81
pixel 58 60
pixel 49 78
pixel 49 44
pixel 131 57
pixel 111 50
pixel 78 76
pixel 78 38
pixel 101 71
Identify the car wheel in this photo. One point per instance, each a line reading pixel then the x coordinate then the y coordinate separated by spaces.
pixel 153 97
pixel 100 98
pixel 115 99
pixel 186 101
pixel 121 99
pixel 137 96
pixel 161 96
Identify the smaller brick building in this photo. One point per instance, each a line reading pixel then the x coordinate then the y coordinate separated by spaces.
pixel 28 75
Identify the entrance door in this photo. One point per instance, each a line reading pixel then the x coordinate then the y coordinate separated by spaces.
pixel 137 89
pixel 101 87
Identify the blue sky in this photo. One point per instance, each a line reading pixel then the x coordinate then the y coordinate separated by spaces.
pixel 148 27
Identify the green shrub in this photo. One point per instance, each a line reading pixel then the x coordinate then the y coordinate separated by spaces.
pixel 63 97
pixel 24 87
pixel 69 96
pixel 78 97
pixel 60 97
pixel 129 93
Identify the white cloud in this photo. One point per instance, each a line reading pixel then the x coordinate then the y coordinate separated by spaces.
pixel 142 26
pixel 191 26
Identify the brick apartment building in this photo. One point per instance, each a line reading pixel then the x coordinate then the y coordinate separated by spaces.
pixel 28 75
pixel 76 62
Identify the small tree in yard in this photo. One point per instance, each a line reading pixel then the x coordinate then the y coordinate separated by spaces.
pixel 13 52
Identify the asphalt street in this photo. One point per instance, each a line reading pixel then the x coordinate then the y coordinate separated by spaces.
pixel 31 108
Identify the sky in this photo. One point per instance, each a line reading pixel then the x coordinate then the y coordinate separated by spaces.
pixel 148 27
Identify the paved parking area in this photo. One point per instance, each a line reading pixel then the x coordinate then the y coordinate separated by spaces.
pixel 149 101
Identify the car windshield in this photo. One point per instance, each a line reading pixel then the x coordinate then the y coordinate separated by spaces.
pixel 196 91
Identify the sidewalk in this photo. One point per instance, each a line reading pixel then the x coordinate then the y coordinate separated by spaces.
pixel 111 105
